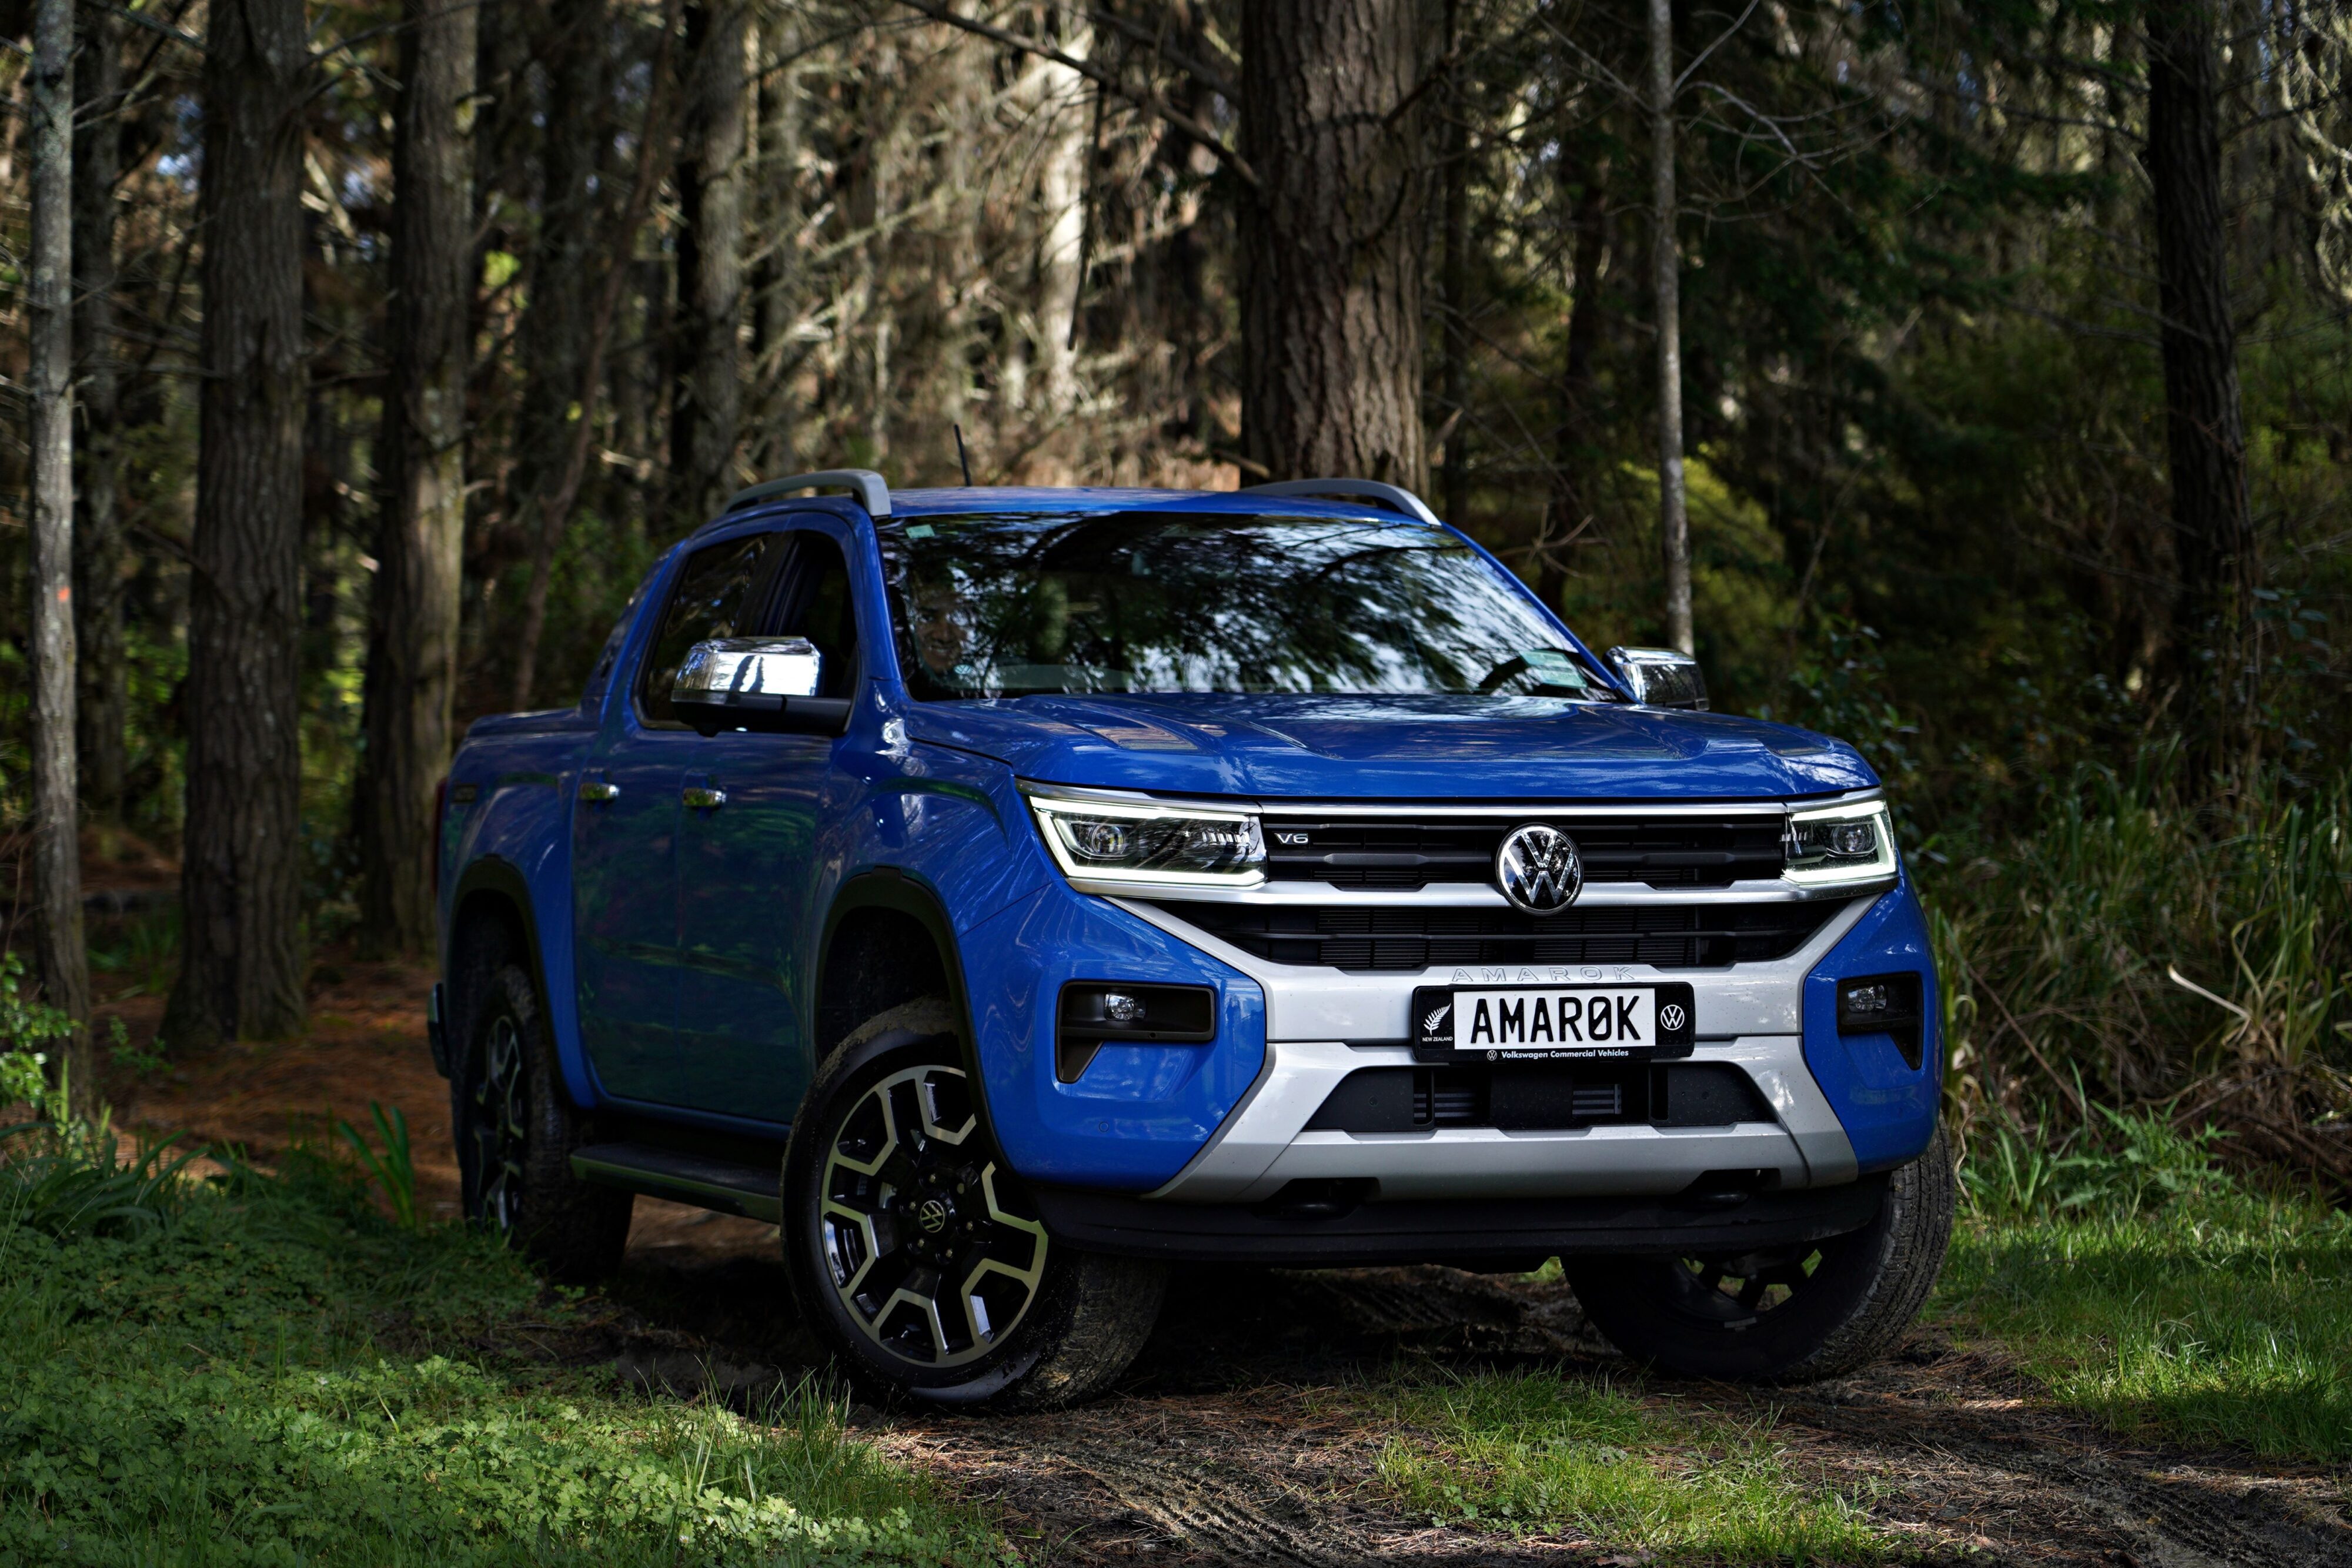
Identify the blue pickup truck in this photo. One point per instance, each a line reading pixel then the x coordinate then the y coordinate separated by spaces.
pixel 1012 894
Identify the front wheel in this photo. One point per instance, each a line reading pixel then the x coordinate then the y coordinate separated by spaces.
pixel 917 1254
pixel 1790 1314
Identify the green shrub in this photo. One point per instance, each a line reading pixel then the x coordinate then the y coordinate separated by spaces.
pixel 2135 953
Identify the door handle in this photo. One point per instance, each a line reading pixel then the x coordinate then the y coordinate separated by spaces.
pixel 703 798
pixel 598 790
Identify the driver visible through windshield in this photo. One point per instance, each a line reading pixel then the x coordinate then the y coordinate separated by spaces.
pixel 1014 604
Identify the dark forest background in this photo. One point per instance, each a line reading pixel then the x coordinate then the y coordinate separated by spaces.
pixel 498 301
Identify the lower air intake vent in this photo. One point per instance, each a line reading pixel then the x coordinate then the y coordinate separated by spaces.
pixel 1375 1099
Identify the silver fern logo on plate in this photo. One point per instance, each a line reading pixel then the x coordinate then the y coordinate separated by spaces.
pixel 1539 869
pixel 1428 1024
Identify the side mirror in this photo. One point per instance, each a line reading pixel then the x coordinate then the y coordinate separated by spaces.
pixel 764 684
pixel 1660 677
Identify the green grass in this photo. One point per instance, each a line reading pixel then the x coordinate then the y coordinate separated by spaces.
pixel 2215 1317
pixel 266 1373
pixel 1537 1451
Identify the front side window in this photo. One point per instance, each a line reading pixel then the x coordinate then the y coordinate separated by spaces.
pixel 813 602
pixel 1012 604
pixel 722 592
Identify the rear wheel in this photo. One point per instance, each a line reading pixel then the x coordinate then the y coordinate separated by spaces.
pixel 1784 1315
pixel 516 1130
pixel 918 1256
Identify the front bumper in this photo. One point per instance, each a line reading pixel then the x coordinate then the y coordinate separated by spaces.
pixel 1750 1014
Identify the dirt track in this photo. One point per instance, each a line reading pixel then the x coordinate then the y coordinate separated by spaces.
pixel 1236 1439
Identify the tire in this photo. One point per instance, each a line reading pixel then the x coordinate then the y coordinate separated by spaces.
pixel 1793 1315
pixel 919 1258
pixel 516 1130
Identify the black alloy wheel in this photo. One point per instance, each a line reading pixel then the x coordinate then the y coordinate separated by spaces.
pixel 515 1129
pixel 917 1254
pixel 1814 1309
pixel 933 1249
pixel 501 1129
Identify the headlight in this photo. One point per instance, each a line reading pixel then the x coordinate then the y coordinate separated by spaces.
pixel 1835 844
pixel 1104 841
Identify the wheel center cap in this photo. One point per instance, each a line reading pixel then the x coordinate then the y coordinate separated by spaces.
pixel 931 1216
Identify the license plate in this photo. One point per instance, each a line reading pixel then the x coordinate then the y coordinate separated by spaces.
pixel 1552 1023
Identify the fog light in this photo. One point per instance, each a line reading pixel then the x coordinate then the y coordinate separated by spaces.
pixel 1884 1004
pixel 1095 1013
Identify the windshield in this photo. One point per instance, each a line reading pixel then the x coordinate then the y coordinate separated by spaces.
pixel 1008 604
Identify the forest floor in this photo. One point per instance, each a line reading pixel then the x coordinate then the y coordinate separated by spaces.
pixel 1278 1417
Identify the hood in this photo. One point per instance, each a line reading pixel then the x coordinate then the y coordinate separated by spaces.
pixel 1375 747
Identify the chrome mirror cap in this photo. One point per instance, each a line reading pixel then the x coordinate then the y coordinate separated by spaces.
pixel 766 683
pixel 1660 677
pixel 776 666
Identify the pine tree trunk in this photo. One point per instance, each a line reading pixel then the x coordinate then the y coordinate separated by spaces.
pixel 1578 442
pixel 1666 260
pixel 99 554
pixel 1455 388
pixel 2205 438
pixel 552 336
pixel 1062 201
pixel 1331 300
pixel 56 852
pixel 706 359
pixel 413 632
pixel 774 139
pixel 241 957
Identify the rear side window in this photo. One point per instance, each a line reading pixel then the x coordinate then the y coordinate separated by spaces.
pixel 721 592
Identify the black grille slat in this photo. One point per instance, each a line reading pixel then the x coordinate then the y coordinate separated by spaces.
pixel 1668 851
pixel 1400 938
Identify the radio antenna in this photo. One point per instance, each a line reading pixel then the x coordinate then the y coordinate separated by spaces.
pixel 962 457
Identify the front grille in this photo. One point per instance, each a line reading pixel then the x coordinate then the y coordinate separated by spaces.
pixel 1664 851
pixel 1375 938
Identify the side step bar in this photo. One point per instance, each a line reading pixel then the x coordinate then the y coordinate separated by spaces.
pixel 727 1185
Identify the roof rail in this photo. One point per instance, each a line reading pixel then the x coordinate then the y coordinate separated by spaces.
pixel 1393 495
pixel 871 493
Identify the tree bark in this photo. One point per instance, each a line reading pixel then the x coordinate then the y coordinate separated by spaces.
pixel 2205 436
pixel 1455 374
pixel 707 361
pixel 774 141
pixel 99 554
pixel 1577 444
pixel 1666 260
pixel 554 509
pixel 552 336
pixel 1331 300
pixel 413 630
pixel 1062 201
pixel 241 957
pixel 56 852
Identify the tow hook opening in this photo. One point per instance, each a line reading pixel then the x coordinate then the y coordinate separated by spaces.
pixel 1727 1189
pixel 1321 1198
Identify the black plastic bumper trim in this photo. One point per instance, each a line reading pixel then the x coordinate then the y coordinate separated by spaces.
pixel 1460 1230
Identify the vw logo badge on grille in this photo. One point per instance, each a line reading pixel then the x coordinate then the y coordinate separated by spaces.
pixel 1539 869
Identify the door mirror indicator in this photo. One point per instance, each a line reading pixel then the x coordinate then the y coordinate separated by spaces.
pixel 767 685
pixel 1660 677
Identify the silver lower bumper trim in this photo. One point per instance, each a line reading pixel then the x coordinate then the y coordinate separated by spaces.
pixel 1749 1015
